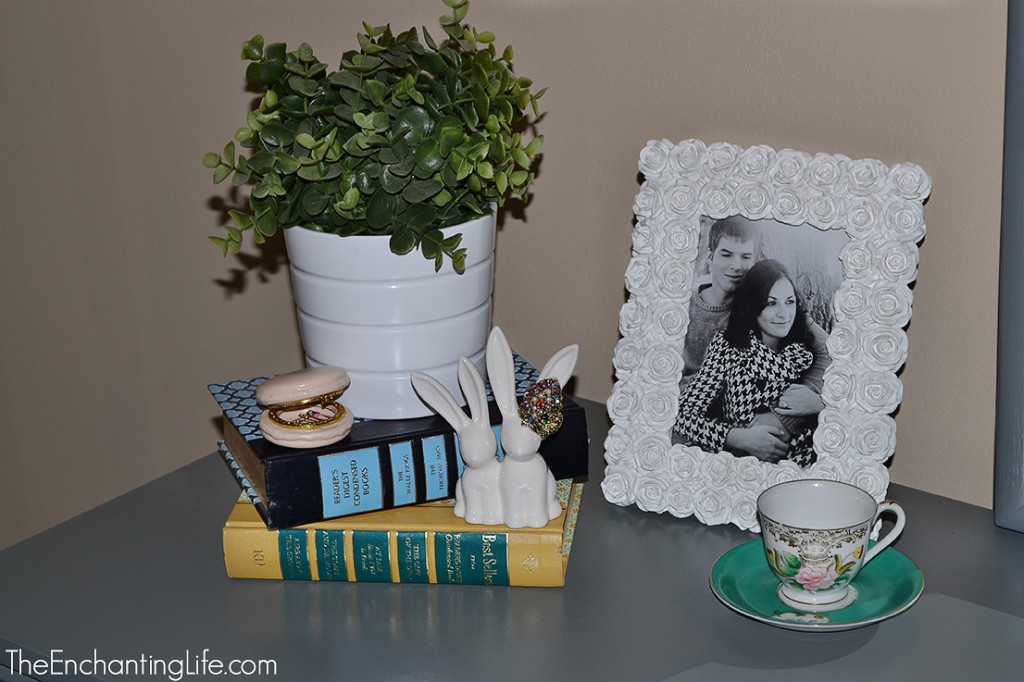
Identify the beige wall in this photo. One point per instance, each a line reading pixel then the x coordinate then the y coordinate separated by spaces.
pixel 115 312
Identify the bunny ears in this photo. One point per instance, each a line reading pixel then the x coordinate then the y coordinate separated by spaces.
pixel 541 406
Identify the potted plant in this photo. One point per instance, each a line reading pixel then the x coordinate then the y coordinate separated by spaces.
pixel 406 147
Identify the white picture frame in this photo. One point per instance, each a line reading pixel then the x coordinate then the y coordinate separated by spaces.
pixel 880 209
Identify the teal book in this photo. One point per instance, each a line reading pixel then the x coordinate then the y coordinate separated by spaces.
pixel 423 543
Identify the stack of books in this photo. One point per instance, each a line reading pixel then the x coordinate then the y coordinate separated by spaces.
pixel 377 506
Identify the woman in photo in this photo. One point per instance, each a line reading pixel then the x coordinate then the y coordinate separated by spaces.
pixel 749 367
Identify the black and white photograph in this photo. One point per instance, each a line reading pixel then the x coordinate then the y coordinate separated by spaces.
pixel 755 353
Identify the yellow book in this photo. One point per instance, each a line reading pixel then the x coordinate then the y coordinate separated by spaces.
pixel 424 543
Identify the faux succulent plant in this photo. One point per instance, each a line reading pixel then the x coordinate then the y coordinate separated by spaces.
pixel 406 137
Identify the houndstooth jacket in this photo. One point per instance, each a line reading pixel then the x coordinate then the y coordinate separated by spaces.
pixel 749 381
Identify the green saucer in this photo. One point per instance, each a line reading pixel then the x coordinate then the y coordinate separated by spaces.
pixel 888 585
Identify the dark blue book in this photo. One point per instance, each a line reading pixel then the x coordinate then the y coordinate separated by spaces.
pixel 380 465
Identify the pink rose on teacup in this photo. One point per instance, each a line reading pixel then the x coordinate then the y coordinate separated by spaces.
pixel 814 578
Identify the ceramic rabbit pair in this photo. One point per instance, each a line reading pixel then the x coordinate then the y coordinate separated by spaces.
pixel 518 490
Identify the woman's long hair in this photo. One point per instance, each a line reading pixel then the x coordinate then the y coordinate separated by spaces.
pixel 750 300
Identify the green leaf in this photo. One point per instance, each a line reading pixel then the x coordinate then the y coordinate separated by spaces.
pixel 221 243
pixel 286 164
pixel 305 53
pixel 419 191
pixel 443 198
pixel 429 40
pixel 220 173
pixel 403 167
pixel 459 261
pixel 402 241
pixel 276 51
pixel 307 141
pixel 433 63
pixel 264 73
pixel 485 170
pixel 430 243
pixel 428 156
pixel 346 79
pixel 266 223
pixel 211 159
pixel 464 169
pixel 314 202
pixel 535 145
pixel 364 64
pixel 448 139
pixel 521 158
pixel 261 162
pixel 375 91
pixel 253 49
pixel 481 103
pixel 241 177
pixel 381 210
pixel 356 146
pixel 303 85
pixel 420 216
pixel 275 135
pixel 313 173
pixel 459 11
pixel 413 123
pixel 393 184
pixel 269 101
pixel 349 199
pixel 242 220
pixel 485 37
pixel 787 564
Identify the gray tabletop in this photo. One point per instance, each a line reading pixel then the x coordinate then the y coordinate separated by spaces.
pixel 142 577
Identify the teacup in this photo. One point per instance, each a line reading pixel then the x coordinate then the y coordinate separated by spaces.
pixel 815 537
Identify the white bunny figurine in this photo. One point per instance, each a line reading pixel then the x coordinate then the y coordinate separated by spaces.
pixel 527 486
pixel 477 492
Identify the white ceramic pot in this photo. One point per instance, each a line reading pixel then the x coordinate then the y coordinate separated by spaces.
pixel 381 316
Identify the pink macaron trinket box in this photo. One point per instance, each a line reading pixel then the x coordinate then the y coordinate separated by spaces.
pixel 302 408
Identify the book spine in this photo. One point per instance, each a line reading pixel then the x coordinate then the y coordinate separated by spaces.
pixel 389 475
pixel 401 473
pixel 487 557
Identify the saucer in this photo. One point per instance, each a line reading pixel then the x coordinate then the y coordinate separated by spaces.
pixel 888 585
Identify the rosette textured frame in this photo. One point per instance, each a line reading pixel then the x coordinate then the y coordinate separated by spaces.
pixel 881 209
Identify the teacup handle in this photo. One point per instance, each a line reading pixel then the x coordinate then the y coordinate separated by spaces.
pixel 885 541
